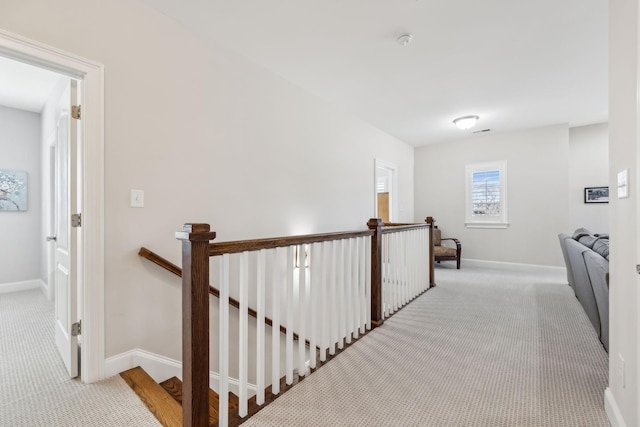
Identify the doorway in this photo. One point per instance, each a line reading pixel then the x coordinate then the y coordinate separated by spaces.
pixel 39 101
pixel 89 235
pixel 385 178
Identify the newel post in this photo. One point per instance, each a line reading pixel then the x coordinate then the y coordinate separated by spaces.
pixel 195 323
pixel 377 317
pixel 432 279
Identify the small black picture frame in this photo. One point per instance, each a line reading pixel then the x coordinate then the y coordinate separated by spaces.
pixel 596 195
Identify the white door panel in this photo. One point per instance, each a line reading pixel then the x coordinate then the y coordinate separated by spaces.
pixel 66 312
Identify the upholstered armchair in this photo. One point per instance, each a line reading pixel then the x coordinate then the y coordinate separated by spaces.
pixel 446 252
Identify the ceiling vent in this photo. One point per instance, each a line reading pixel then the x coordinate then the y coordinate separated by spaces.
pixel 481 131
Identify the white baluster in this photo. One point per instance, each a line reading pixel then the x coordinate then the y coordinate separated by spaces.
pixel 413 254
pixel 364 254
pixel 260 333
pixel 276 293
pixel 223 386
pixel 243 332
pixel 302 309
pixel 348 284
pixel 367 269
pixel 356 286
pixel 393 257
pixel 341 295
pixel 332 303
pixel 384 269
pixel 404 270
pixel 314 276
pixel 290 320
pixel 385 274
pixel 324 300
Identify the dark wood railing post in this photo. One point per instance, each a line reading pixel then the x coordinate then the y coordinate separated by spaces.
pixel 195 323
pixel 377 317
pixel 432 279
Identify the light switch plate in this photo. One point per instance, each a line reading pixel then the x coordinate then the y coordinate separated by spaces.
pixel 137 198
pixel 623 184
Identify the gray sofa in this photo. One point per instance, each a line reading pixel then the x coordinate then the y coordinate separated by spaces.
pixel 586 256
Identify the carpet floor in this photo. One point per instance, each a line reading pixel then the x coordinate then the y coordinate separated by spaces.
pixel 35 389
pixel 483 348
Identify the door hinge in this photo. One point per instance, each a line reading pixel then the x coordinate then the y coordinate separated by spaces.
pixel 76 328
pixel 76 111
pixel 76 220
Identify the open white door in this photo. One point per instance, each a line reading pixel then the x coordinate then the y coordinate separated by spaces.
pixel 66 250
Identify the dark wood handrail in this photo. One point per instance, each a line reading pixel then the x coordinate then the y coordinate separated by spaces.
pixel 234 247
pixel 169 266
pixel 396 228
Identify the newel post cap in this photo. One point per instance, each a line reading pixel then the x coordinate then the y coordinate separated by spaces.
pixel 196 232
pixel 374 223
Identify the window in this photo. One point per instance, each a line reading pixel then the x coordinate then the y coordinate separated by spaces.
pixel 486 195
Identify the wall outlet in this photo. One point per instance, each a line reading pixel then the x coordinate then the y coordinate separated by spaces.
pixel 137 199
pixel 621 370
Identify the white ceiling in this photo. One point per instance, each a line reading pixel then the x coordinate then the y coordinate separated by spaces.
pixel 25 87
pixel 516 63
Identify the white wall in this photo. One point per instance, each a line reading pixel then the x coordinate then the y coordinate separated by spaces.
pixel 588 167
pixel 537 171
pixel 210 138
pixel 20 231
pixel 624 298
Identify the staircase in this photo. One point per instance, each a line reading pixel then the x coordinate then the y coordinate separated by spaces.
pixel 164 400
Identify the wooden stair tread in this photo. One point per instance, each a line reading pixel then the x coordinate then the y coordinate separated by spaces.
pixel 160 403
pixel 173 386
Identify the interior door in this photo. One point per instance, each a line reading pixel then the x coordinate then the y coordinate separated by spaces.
pixel 66 310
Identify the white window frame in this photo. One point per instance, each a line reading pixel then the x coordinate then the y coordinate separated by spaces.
pixel 486 221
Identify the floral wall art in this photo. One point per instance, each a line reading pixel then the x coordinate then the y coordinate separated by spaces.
pixel 13 190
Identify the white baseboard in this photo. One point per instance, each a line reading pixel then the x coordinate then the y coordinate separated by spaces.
pixel 513 266
pixel 161 368
pixel 612 410
pixel 20 286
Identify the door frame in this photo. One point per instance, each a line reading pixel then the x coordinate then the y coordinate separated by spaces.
pixel 91 187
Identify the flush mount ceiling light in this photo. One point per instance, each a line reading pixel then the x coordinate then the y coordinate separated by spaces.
pixel 405 39
pixel 466 122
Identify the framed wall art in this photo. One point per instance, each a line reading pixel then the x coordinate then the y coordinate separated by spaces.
pixel 596 195
pixel 13 190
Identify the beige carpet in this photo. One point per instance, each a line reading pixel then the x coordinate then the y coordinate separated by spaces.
pixel 484 348
pixel 35 389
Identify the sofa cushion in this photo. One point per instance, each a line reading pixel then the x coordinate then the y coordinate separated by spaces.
pixel 583 289
pixel 597 269
pixel 601 247
pixel 563 237
pixel 444 251
pixel 588 240
pixel 437 237
pixel 579 233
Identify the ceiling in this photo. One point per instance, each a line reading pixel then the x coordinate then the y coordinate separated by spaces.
pixel 516 64
pixel 24 86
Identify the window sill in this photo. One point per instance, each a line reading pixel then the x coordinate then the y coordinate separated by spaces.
pixel 486 224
